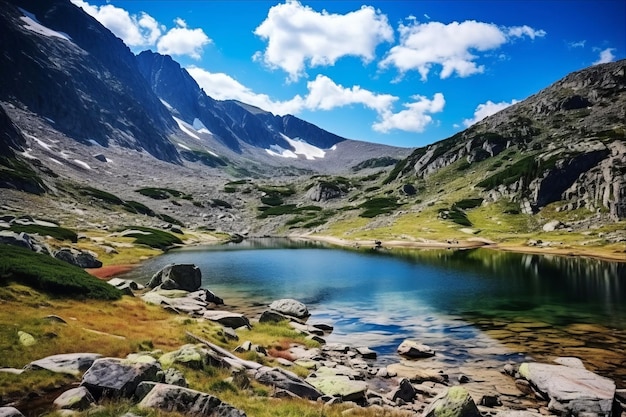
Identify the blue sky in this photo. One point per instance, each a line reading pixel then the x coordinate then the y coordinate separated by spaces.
pixel 403 73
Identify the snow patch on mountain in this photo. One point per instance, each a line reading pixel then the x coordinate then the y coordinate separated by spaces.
pixel 32 24
pixel 200 127
pixel 276 150
pixel 186 127
pixel 301 147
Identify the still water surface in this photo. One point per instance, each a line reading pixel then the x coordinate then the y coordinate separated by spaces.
pixel 473 307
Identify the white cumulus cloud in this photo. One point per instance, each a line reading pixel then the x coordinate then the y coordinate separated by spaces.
pixel 143 30
pixel 298 36
pixel 453 46
pixel 414 118
pixel 183 41
pixel 606 56
pixel 484 110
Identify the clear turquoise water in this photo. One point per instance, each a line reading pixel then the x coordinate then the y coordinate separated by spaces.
pixel 450 300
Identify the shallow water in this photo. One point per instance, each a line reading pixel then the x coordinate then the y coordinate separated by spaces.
pixel 475 308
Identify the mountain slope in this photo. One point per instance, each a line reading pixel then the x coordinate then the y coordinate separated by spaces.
pixel 230 122
pixel 566 145
pixel 62 64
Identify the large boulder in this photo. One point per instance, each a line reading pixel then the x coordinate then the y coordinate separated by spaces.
pixel 572 390
pixel 290 307
pixel 177 277
pixel 115 378
pixel 75 399
pixel 67 363
pixel 413 349
pixel 339 386
pixel 82 259
pixel 454 402
pixel 188 402
pixel 280 378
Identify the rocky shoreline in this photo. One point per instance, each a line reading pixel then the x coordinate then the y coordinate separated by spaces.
pixel 337 373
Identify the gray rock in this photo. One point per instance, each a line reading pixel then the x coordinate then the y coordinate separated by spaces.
pixel 405 391
pixel 82 259
pixel 551 226
pixel 68 363
pixel 570 361
pixel 414 349
pixel 286 380
pixel 173 376
pixel 122 283
pixel 290 307
pixel 227 318
pixel 26 339
pixel 366 352
pixel 75 399
pixel 572 390
pixel 16 239
pixel 112 377
pixel 177 277
pixel 454 402
pixel 10 412
pixel 171 398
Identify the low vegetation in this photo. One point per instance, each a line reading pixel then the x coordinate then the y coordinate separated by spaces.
pixel 59 233
pixel 161 193
pixel 377 206
pixel 51 275
pixel 152 237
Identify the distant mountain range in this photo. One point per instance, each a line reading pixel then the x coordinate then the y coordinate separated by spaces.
pixel 63 65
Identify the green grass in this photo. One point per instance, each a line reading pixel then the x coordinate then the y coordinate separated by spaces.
pixel 272 200
pixel 17 174
pixel 102 195
pixel 396 171
pixel 158 239
pixel 384 161
pixel 59 233
pixel 455 215
pixel 377 206
pixel 51 275
pixel 468 203
pixel 160 193
pixel 285 209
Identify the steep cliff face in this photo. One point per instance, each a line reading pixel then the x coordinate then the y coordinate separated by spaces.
pixel 62 64
pixel 565 144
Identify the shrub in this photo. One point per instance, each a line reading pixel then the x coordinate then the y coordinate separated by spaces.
pixel 468 203
pixel 155 239
pixel 455 215
pixel 272 200
pixel 59 233
pixel 51 275
pixel 102 195
pixel 160 193
pixel 377 206
pixel 216 202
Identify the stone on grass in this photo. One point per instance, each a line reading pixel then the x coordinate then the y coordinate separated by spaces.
pixel 280 378
pixel 415 350
pixel 115 378
pixel 454 402
pixel 290 307
pixel 270 316
pixel 75 399
pixel 339 386
pixel 172 398
pixel 82 259
pixel 26 339
pixel 191 356
pixel 227 318
pixel 67 363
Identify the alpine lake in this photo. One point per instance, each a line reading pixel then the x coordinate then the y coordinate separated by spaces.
pixel 476 308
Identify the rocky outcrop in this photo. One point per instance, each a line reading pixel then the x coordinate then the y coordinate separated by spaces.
pixel 324 191
pixel 177 277
pixel 75 399
pixel 172 398
pixel 227 318
pixel 10 412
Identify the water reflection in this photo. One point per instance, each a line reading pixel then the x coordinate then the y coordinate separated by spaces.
pixel 471 306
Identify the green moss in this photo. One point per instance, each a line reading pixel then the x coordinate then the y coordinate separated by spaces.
pixel 59 233
pixel 51 275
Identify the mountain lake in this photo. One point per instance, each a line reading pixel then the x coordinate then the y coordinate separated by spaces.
pixel 475 308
